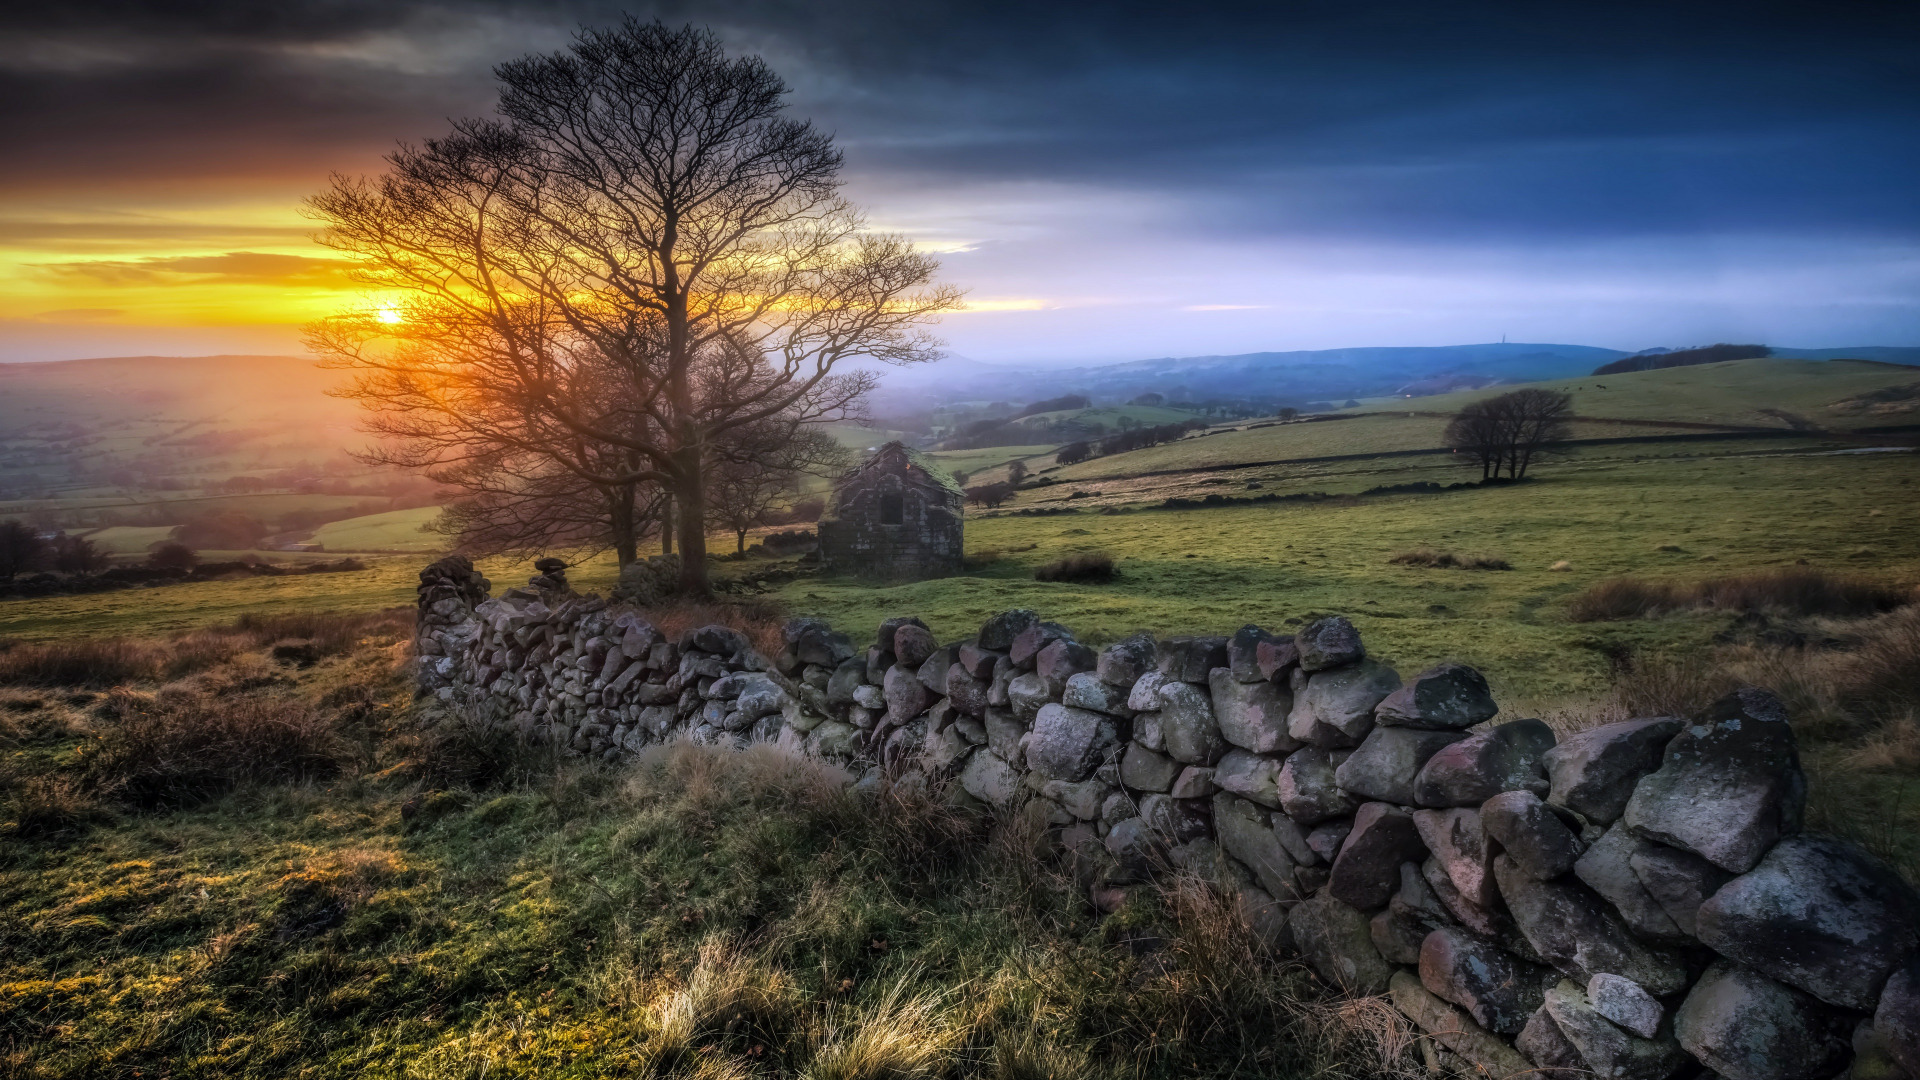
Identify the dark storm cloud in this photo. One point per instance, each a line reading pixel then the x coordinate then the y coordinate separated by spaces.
pixel 1401 120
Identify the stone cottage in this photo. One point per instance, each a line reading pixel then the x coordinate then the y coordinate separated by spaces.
pixel 896 515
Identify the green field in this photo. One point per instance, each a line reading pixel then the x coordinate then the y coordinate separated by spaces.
pixel 1213 570
pixel 395 530
pixel 986 463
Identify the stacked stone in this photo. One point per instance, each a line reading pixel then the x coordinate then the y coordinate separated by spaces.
pixel 1635 901
pixel 449 590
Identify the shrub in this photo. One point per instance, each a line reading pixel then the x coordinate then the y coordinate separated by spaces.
pixel 100 662
pixel 172 556
pixel 1794 591
pixel 1093 567
pixel 47 805
pixel 1428 557
pixel 181 746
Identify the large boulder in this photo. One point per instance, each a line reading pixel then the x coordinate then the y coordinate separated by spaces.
pixel 1896 1021
pixel 1335 708
pixel 850 676
pixel 1626 1003
pixel 1336 940
pixel 1028 643
pixel 1458 840
pixel 1250 776
pixel 1004 733
pixel 968 694
pixel 1122 663
pixel 1679 881
pixel 1575 931
pixel 1328 643
pixel 979 662
pixel 1147 770
pixel 1475 769
pixel 1243 652
pixel 1728 786
pixel 1489 921
pixel 1252 715
pixel 1068 744
pixel 1490 1055
pixel 1607 868
pixel 1244 833
pixel 1608 1050
pixel 1027 694
pixel 1366 873
pixel 1593 773
pixel 1386 763
pixel 1539 842
pixel 913 644
pixel 1085 690
pixel 1397 934
pixel 998 632
pixel 907 697
pixel 991 780
pixel 1061 661
pixel 1189 659
pixel 1449 697
pixel 1543 1044
pixel 1746 1026
pixel 1309 791
pixel 1499 990
pixel 1144 694
pixel 1819 914
pixel 1188 726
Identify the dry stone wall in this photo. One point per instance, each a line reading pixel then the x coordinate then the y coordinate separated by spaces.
pixel 1635 901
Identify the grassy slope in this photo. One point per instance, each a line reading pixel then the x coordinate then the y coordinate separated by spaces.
pixel 704 913
pixel 396 530
pixel 1731 393
pixel 1214 570
pixel 981 463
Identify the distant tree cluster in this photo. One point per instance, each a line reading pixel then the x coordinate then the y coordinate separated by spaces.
pixel 1511 431
pixel 23 550
pixel 1064 403
pixel 990 495
pixel 1706 354
pixel 1073 453
pixel 1140 438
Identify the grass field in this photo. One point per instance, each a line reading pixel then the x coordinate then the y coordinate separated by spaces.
pixel 396 530
pixel 981 464
pixel 1214 570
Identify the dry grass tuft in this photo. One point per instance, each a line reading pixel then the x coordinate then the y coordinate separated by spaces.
pixel 117 661
pixel 1802 591
pixel 180 746
pixel 759 618
pixel 1447 560
pixel 1087 568
pixel 898 1037
pixel 47 805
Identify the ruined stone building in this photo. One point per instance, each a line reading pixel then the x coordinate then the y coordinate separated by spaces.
pixel 896 515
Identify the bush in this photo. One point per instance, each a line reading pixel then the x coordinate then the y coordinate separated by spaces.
pixel 1426 556
pixel 1794 591
pixel 99 662
pixel 1092 568
pixel 172 556
pixel 181 746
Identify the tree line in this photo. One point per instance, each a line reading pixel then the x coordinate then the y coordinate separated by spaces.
pixel 621 308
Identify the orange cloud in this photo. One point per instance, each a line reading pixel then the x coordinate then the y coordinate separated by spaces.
pixel 230 268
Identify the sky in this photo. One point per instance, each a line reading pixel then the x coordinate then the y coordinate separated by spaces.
pixel 1108 182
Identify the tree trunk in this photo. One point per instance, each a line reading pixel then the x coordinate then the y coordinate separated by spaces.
pixel 692 500
pixel 666 524
pixel 626 544
pixel 740 541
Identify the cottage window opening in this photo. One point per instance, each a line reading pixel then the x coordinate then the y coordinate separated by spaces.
pixel 893 510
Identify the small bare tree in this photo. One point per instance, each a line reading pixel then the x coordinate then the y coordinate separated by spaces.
pixel 1512 430
pixel 761 468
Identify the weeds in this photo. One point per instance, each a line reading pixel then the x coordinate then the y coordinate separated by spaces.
pixel 117 661
pixel 1804 591
pixel 1091 568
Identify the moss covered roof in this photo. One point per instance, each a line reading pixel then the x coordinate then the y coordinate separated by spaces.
pixel 914 460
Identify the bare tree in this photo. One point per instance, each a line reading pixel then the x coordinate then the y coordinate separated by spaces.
pixel 1017 473
pixel 643 221
pixel 21 549
pixel 761 467
pixel 1511 430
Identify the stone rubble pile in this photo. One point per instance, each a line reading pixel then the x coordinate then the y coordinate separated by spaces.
pixel 1635 901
